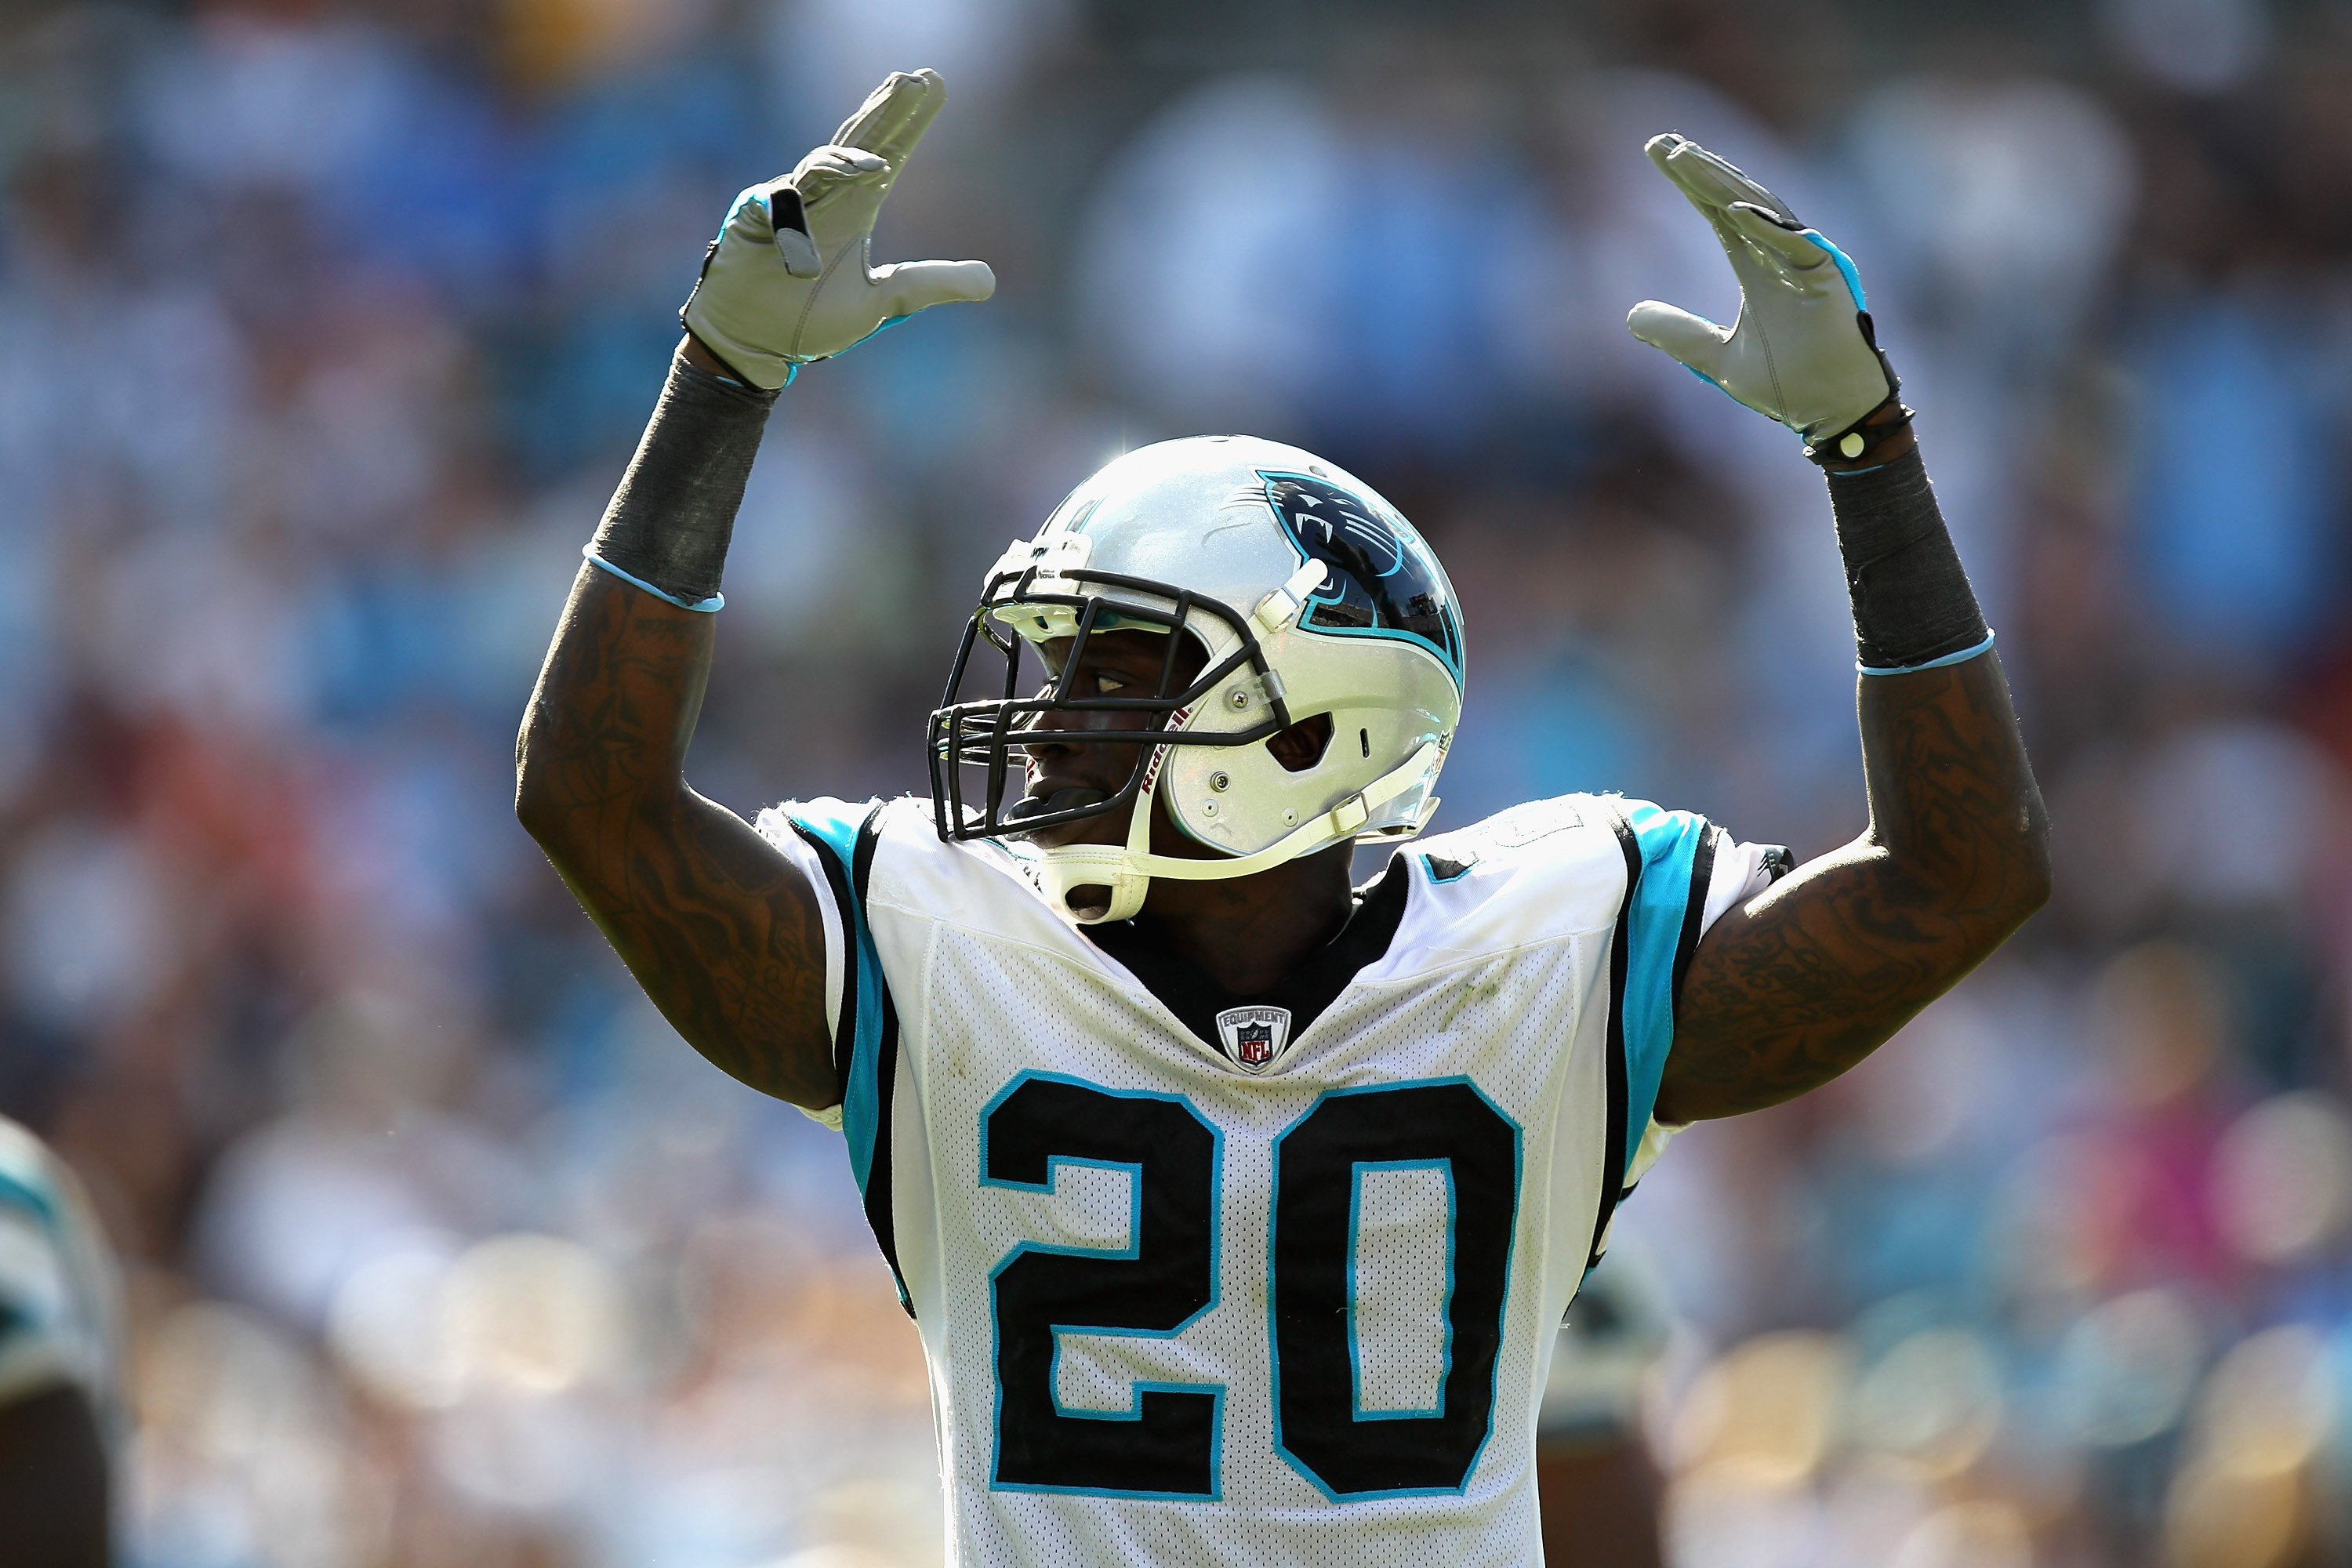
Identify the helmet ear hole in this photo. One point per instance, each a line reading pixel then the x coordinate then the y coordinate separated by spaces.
pixel 1302 745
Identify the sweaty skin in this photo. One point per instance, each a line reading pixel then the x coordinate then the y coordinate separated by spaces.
pixel 1784 993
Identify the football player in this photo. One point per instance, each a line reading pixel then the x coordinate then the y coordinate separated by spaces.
pixel 1236 1208
pixel 58 1346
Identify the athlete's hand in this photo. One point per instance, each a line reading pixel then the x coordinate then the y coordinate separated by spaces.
pixel 790 280
pixel 1803 351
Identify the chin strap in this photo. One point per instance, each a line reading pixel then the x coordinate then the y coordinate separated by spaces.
pixel 1127 870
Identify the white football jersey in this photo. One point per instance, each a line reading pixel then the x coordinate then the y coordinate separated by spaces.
pixel 1263 1280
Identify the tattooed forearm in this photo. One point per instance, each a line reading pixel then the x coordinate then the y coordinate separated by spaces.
pixel 1812 975
pixel 718 926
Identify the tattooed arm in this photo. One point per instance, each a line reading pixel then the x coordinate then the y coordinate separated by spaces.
pixel 1812 975
pixel 716 924
pixel 719 928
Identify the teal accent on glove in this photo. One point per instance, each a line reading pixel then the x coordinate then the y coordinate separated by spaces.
pixel 1801 351
pixel 1845 265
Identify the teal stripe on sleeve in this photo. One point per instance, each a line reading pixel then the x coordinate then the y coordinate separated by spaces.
pixel 32 1192
pixel 835 824
pixel 1670 842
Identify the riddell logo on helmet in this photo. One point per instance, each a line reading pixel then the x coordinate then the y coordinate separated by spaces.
pixel 1254 1038
pixel 1159 755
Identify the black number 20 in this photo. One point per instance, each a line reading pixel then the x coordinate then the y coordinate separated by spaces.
pixel 1166 1445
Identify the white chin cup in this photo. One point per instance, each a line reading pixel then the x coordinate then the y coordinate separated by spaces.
pixel 1127 870
pixel 1077 866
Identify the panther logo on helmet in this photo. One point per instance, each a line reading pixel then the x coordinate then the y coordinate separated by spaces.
pixel 1383 580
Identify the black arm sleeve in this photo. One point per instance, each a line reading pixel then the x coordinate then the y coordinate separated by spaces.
pixel 671 518
pixel 1912 601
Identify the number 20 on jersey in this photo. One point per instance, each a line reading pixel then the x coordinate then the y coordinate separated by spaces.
pixel 1166 1445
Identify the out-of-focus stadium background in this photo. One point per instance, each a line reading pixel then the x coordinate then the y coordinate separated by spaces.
pixel 325 329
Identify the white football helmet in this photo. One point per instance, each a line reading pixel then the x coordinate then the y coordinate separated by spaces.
pixel 1307 594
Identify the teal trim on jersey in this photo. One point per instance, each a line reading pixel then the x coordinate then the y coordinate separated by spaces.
pixel 1669 842
pixel 1132 1250
pixel 1053 1163
pixel 25 1195
pixel 42 1205
pixel 835 824
pixel 1141 1386
pixel 1503 1313
pixel 1446 1310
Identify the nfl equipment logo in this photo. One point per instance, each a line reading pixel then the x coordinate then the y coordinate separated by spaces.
pixel 1254 1037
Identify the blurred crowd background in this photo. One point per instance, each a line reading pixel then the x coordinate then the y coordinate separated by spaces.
pixel 326 328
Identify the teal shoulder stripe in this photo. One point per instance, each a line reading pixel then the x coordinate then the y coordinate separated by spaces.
pixel 1670 843
pixel 34 1195
pixel 835 824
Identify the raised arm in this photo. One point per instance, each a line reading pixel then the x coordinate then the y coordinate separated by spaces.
pixel 720 927
pixel 721 930
pixel 1809 977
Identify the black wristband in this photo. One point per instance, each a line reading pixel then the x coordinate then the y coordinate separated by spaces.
pixel 1860 441
pixel 671 521
pixel 1912 601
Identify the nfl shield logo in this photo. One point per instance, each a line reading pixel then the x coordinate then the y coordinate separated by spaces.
pixel 1254 1037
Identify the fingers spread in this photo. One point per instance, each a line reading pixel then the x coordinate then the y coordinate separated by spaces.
pixel 911 285
pixel 1692 340
pixel 894 117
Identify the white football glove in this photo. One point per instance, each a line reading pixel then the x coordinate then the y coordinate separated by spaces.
pixel 1803 351
pixel 789 278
